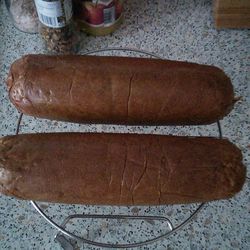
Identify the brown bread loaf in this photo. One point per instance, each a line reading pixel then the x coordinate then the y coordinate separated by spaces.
pixel 119 169
pixel 119 90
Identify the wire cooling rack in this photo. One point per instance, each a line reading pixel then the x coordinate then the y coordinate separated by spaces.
pixel 64 235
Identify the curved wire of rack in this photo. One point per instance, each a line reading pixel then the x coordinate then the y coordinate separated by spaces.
pixel 61 228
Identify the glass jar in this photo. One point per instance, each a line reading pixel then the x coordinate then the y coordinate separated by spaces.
pixel 23 14
pixel 98 17
pixel 57 27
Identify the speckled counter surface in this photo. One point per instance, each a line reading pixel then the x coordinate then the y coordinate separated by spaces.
pixel 178 30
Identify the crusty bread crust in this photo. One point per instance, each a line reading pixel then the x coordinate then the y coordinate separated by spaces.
pixel 119 90
pixel 119 169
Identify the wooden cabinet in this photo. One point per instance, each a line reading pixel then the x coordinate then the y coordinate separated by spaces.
pixel 232 13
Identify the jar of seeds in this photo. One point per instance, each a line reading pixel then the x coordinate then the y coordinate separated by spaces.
pixel 57 27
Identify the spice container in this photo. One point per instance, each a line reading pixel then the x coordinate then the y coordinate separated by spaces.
pixel 23 14
pixel 57 27
pixel 98 17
